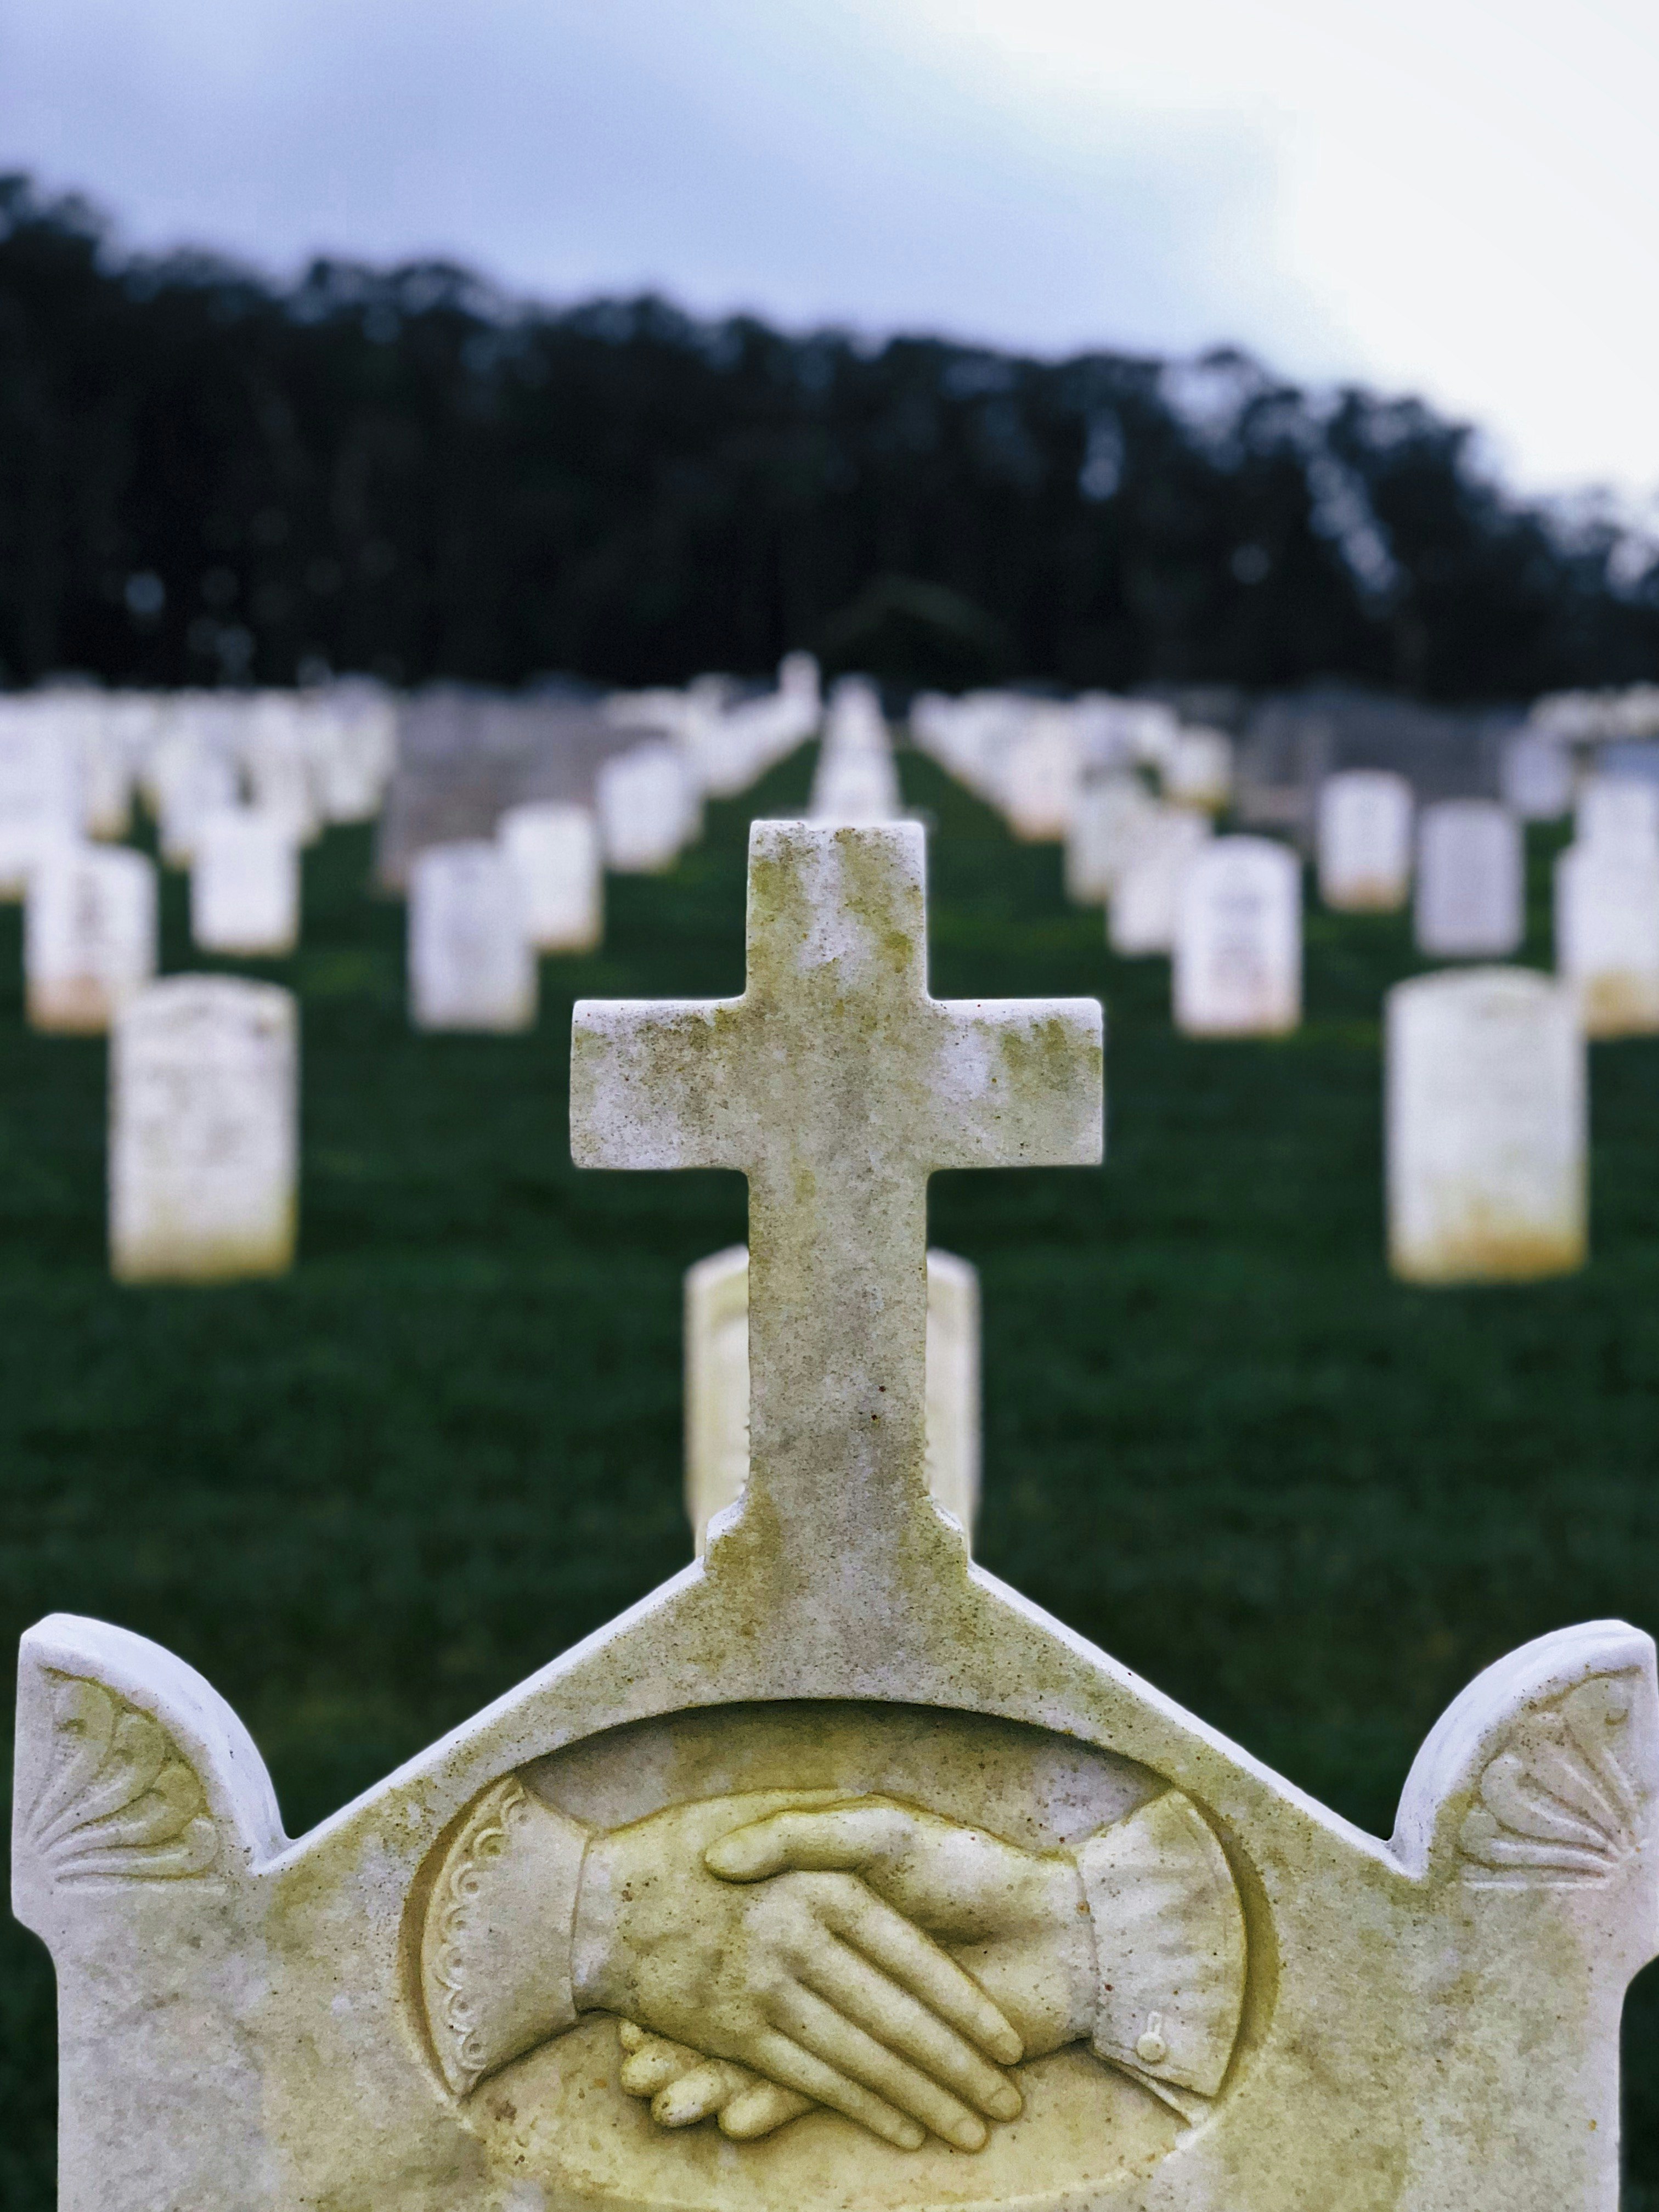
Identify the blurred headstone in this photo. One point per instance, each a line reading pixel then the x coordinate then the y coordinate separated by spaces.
pixel 1607 937
pixel 1106 819
pixel 1237 969
pixel 1486 1129
pixel 41 801
pixel 1619 813
pixel 1365 842
pixel 1141 917
pixel 649 809
pixel 1537 778
pixel 554 853
pixel 1199 769
pixel 1040 773
pixel 717 1385
pixel 277 764
pixel 471 962
pixel 88 936
pixel 245 882
pixel 351 739
pixel 194 778
pixel 203 1147
pixel 1471 880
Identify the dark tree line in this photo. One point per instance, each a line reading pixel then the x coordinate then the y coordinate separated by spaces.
pixel 206 476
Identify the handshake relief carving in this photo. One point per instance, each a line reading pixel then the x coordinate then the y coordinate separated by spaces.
pixel 774 1951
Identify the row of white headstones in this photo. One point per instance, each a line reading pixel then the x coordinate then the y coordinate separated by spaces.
pixel 202 1154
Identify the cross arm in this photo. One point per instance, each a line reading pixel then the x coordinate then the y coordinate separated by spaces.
pixel 655 1083
pixel 1019 1083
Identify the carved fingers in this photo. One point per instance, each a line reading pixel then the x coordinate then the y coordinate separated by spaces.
pixel 807 1979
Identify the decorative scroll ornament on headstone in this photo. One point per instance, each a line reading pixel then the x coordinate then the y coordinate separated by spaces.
pixel 835 1872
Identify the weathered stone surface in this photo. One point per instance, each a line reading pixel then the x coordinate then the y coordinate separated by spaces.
pixel 88 936
pixel 717 1385
pixel 245 882
pixel 1486 1128
pixel 554 854
pixel 1365 842
pixel 203 1143
pixel 1146 899
pixel 1606 936
pixel 1238 969
pixel 835 1872
pixel 1471 870
pixel 472 965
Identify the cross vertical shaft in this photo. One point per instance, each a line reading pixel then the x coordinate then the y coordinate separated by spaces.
pixel 837 1084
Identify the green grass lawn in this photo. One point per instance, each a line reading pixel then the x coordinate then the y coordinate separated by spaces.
pixel 1309 1501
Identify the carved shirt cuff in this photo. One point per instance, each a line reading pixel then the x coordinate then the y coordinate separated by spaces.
pixel 1169 1942
pixel 496 1949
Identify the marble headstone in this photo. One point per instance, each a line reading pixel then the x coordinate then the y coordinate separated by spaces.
pixel 1365 842
pixel 1039 774
pixel 1607 937
pixel 245 882
pixel 1486 1128
pixel 472 965
pixel 1197 769
pixel 554 853
pixel 1106 819
pixel 1147 897
pixel 88 936
pixel 202 1145
pixel 1619 812
pixel 649 809
pixel 1537 778
pixel 717 1385
pixel 835 1872
pixel 41 800
pixel 1237 966
pixel 1471 880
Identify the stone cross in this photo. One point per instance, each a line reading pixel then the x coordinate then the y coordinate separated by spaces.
pixel 837 1084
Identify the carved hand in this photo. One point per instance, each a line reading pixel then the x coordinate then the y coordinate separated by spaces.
pixel 1017 1919
pixel 809 1978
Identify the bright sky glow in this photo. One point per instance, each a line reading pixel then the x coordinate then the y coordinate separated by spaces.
pixel 1441 196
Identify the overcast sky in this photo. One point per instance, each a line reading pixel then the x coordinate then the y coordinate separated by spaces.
pixel 1453 196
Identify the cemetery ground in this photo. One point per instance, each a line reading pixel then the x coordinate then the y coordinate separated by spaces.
pixel 1308 1502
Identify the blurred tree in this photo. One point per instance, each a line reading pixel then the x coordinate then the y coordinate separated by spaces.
pixel 206 477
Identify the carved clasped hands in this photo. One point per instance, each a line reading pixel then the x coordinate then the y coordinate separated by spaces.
pixel 765 1948
pixel 861 1896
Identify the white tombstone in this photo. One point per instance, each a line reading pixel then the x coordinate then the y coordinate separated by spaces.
pixel 277 763
pixel 1237 968
pixel 1537 778
pixel 648 807
pixel 88 936
pixel 717 1385
pixel 1197 769
pixel 41 802
pixel 245 882
pixel 1146 897
pixel 835 1872
pixel 203 1119
pixel 472 965
pixel 1619 812
pixel 1471 880
pixel 351 743
pixel 193 778
pixel 1607 937
pixel 1365 842
pixel 1039 774
pixel 1107 817
pixel 1486 1128
pixel 554 854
